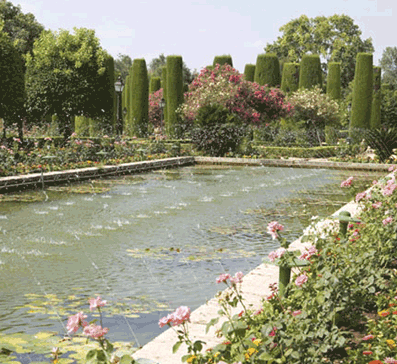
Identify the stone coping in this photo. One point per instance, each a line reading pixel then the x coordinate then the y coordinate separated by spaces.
pixel 34 180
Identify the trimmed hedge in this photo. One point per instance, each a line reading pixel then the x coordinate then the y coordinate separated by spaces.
pixel 174 93
pixel 310 73
pixel 139 99
pixel 334 90
pixel 224 59
pixel 267 70
pixel 155 84
pixel 164 87
pixel 362 96
pixel 249 72
pixel 375 122
pixel 290 78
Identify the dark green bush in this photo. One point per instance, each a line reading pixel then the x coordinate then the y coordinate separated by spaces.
pixel 334 90
pixel 249 72
pixel 376 99
pixel 224 59
pixel 310 74
pixel 267 70
pixel 217 131
pixel 388 115
pixel 290 78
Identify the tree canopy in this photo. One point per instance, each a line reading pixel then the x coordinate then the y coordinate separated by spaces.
pixel 23 29
pixel 388 63
pixel 122 66
pixel 12 86
pixel 65 76
pixel 335 38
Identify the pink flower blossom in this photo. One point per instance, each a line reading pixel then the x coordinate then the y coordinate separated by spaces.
pixel 95 331
pixel 388 220
pixel 376 205
pixel 273 333
pixel 347 183
pixel 75 321
pixel 238 278
pixel 308 253
pixel 223 277
pixel 96 302
pixel 181 315
pixel 165 320
pixel 392 168
pixel 273 227
pixel 360 196
pixel 296 313
pixel 276 254
pixel 258 312
pixel 368 337
pixel 301 279
pixel 389 360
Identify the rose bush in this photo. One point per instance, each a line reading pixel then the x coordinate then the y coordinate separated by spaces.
pixel 223 85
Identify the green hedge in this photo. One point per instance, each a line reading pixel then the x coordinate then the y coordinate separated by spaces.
pixel 224 59
pixel 249 72
pixel 334 90
pixel 290 78
pixel 376 99
pixel 310 73
pixel 267 70
pixel 155 84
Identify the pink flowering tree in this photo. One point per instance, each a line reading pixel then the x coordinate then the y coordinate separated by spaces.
pixel 225 86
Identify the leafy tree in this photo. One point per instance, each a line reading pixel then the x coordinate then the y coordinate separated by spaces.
pixel 388 63
pixel 335 39
pixel 23 29
pixel 12 86
pixel 122 66
pixel 156 65
pixel 65 77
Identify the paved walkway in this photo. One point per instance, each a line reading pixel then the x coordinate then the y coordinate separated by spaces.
pixel 254 288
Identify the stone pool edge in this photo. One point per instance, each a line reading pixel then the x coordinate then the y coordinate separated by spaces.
pixel 37 180
pixel 254 288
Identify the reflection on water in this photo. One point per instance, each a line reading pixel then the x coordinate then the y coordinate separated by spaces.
pixel 149 243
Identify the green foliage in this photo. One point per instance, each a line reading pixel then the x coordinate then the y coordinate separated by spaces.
pixel 388 62
pixel 335 38
pixel 290 79
pixel 267 70
pixel 155 84
pixel 164 87
pixel 174 94
pixel 217 131
pixel 362 96
pixel 122 66
pixel 65 77
pixel 310 73
pixel 375 121
pixel 224 59
pixel 12 86
pixel 388 113
pixel 334 81
pixel 249 72
pixel 23 29
pixel 139 99
pixel 383 140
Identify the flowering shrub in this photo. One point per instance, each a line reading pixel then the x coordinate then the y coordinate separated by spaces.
pixel 225 86
pixel 314 107
pixel 155 113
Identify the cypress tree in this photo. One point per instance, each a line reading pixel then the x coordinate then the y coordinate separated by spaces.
pixel 267 70
pixel 155 84
pixel 376 99
pixel 362 96
pixel 210 67
pixel 126 104
pixel 334 81
pixel 82 126
pixel 290 79
pixel 164 86
pixel 310 74
pixel 221 60
pixel 249 72
pixel 174 93
pixel 139 98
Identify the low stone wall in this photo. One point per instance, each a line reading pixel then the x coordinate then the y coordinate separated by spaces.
pixel 34 180
pixel 40 180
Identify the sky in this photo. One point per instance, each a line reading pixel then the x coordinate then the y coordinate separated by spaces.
pixel 201 29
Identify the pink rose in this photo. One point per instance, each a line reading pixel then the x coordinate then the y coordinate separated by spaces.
pixel 95 331
pixel 376 205
pixel 273 227
pixel 96 302
pixel 165 320
pixel 388 220
pixel 223 277
pixel 389 360
pixel 360 196
pixel 180 315
pixel 296 313
pixel 276 254
pixel 347 183
pixel 75 321
pixel 238 278
pixel 308 253
pixel 301 279
pixel 368 337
